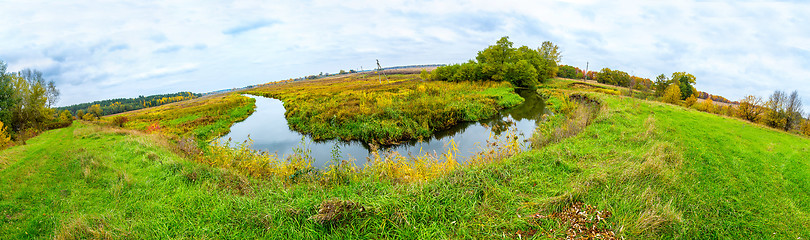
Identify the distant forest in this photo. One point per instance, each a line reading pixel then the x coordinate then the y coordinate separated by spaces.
pixel 119 105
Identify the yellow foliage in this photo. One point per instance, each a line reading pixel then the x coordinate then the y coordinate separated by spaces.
pixel 707 105
pixel 4 138
pixel 690 101
pixel 805 128
pixel 88 117
pixel 673 94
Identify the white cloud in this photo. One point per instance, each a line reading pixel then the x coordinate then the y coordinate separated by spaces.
pixel 125 49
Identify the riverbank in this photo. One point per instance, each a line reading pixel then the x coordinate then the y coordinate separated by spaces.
pixel 644 167
pixel 386 109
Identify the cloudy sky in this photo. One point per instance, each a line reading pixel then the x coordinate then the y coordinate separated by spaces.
pixel 112 49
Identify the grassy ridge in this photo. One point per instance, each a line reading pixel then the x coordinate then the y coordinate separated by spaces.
pixel 402 107
pixel 204 118
pixel 661 170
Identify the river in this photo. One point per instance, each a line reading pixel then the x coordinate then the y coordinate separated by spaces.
pixel 269 131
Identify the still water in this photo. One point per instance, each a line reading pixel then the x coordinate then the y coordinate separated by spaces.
pixel 268 129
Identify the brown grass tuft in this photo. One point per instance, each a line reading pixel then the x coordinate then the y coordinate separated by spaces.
pixel 84 227
pixel 656 219
pixel 337 211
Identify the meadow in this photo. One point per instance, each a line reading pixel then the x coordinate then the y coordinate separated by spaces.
pixel 637 169
pixel 386 110
pixel 201 119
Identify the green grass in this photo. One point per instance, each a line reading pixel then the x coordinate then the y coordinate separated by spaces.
pixel 663 171
pixel 203 118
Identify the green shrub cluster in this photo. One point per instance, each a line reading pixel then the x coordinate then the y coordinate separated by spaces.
pixel 523 67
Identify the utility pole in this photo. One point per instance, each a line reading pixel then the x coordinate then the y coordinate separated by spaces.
pixel 586 70
pixel 380 71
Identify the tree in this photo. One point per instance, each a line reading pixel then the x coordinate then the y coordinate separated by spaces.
pixel 79 114
pixel 495 57
pixel 566 71
pixel 774 110
pixel 673 94
pixel 552 56
pixel 30 109
pixel 793 111
pixel 500 53
pixel 522 74
pixel 95 110
pixel 750 108
pixel 690 101
pixel 685 82
pixel 660 85
pixel 605 76
pixel 52 94
pixel 7 96
pixel 65 116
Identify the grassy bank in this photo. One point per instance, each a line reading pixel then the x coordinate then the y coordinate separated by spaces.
pixel 651 170
pixel 401 107
pixel 203 118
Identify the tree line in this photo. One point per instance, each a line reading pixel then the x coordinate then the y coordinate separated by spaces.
pixel 780 110
pixel 26 101
pixel 119 105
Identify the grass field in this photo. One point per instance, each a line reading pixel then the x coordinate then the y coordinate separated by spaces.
pixel 398 107
pixel 648 169
pixel 202 118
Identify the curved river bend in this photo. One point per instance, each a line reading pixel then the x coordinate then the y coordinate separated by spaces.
pixel 269 131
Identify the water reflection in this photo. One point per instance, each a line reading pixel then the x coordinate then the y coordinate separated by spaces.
pixel 269 131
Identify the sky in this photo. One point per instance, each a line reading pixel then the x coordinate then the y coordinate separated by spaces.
pixel 95 50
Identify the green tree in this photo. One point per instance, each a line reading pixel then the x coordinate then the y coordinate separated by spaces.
pixel 660 85
pixel 552 56
pixel 685 82
pixel 7 96
pixel 500 53
pixel 495 57
pixel 30 109
pixel 605 76
pixel 673 94
pixel 522 74
pixel 95 110
pixel 79 113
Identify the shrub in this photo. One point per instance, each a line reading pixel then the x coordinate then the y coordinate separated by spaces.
pixel 690 101
pixel 4 138
pixel 672 94
pixel 88 117
pixel 120 121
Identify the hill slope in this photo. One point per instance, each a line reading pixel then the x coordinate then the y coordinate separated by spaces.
pixel 662 171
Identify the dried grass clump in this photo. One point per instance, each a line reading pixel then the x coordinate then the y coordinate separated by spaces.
pixel 334 211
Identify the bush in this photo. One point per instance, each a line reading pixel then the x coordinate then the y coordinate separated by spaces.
pixel 120 121
pixel 672 94
pixel 5 140
pixel 88 117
